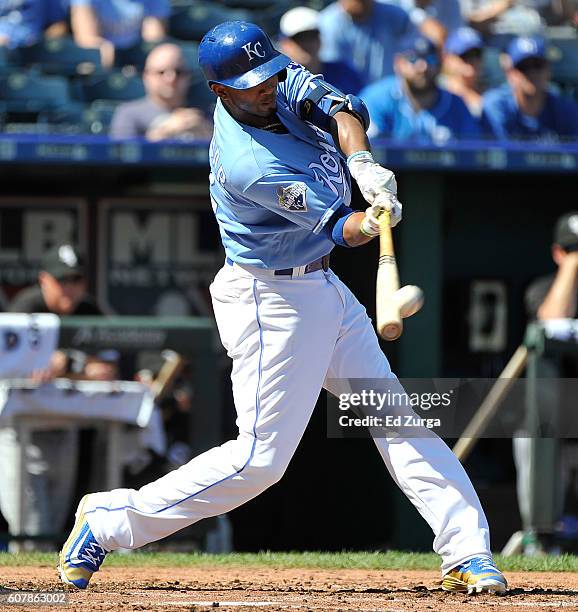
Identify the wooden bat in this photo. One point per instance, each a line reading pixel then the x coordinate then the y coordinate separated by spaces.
pixel 491 403
pixel 170 369
pixel 389 323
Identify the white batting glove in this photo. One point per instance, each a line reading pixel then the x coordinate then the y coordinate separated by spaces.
pixel 370 176
pixel 370 223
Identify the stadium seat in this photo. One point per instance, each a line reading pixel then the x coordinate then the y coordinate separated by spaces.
pixel 492 73
pixel 136 56
pixel 114 86
pixel 253 5
pixel 563 55
pixel 92 119
pixel 26 91
pixel 199 95
pixel 191 23
pixel 60 56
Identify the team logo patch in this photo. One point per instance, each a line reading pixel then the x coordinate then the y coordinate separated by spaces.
pixel 293 198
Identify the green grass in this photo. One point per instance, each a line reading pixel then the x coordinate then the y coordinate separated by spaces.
pixel 342 560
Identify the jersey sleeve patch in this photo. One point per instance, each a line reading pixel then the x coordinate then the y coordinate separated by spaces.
pixel 293 197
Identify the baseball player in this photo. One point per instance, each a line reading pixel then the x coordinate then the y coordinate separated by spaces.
pixel 284 149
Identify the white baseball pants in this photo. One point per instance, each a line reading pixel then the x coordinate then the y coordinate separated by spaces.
pixel 287 337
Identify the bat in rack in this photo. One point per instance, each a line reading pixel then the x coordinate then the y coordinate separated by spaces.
pixel 171 368
pixel 392 302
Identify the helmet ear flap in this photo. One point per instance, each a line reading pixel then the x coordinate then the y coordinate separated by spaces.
pixel 281 76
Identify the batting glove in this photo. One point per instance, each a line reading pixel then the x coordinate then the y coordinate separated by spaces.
pixel 370 176
pixel 370 223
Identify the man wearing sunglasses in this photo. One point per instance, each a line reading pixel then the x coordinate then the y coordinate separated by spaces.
pixel 52 455
pixel 526 107
pixel 411 106
pixel 163 113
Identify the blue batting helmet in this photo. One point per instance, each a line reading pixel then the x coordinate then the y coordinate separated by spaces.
pixel 240 55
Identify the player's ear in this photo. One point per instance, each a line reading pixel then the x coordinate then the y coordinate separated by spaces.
pixel 219 90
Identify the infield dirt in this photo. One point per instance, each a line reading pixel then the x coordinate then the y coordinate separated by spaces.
pixel 270 589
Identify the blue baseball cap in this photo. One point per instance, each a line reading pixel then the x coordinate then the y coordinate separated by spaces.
pixel 418 47
pixel 462 40
pixel 525 47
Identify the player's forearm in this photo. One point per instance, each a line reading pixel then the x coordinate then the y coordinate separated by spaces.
pixel 487 14
pixel 351 230
pixel 560 302
pixel 348 134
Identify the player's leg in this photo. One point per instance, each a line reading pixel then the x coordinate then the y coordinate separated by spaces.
pixel 422 465
pixel 280 335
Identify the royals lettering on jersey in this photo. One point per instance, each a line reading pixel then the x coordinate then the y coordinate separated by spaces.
pixel 273 193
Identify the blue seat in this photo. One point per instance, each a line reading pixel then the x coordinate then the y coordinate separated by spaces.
pixel 191 23
pixel 92 119
pixel 136 56
pixel 113 86
pixel 26 91
pixel 200 96
pixel 59 56
pixel 563 56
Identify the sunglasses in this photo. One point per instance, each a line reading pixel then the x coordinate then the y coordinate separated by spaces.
pixel 178 72
pixel 472 55
pixel 73 279
pixel 431 59
pixel 533 63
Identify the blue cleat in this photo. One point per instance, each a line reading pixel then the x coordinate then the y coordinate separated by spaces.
pixel 475 575
pixel 81 554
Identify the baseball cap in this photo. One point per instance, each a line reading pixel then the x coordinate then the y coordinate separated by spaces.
pixel 523 47
pixel 566 230
pixel 415 47
pixel 297 20
pixel 63 261
pixel 462 40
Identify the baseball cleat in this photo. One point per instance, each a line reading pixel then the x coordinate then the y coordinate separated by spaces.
pixel 81 554
pixel 475 575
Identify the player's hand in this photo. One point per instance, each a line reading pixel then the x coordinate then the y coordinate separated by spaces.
pixel 372 178
pixel 370 223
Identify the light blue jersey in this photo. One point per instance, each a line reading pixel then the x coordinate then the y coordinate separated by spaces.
pixel 120 21
pixel 273 193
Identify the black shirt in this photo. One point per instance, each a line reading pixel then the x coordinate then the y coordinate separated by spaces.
pixel 32 300
pixel 536 293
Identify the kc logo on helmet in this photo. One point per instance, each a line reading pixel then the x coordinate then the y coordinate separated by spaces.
pixel 256 51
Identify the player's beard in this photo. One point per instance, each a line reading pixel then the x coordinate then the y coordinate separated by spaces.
pixel 257 114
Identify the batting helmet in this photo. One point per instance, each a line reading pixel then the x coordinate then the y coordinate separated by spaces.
pixel 240 55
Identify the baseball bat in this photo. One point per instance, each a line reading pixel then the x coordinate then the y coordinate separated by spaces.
pixel 491 403
pixel 170 369
pixel 389 323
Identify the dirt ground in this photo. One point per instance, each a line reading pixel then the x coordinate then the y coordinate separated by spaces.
pixel 232 589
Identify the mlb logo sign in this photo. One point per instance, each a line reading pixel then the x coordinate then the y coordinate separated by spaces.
pixel 293 198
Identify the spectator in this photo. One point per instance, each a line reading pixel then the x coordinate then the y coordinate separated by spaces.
pixel 163 112
pixel 410 106
pixel 525 107
pixel 110 24
pixel 24 22
pixel 52 455
pixel 364 33
pixel 518 17
pixel 462 67
pixel 446 13
pixel 300 40
pixel 554 296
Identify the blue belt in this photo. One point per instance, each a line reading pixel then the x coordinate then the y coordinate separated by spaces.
pixel 319 264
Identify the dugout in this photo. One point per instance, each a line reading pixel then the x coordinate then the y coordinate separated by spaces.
pixel 476 218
